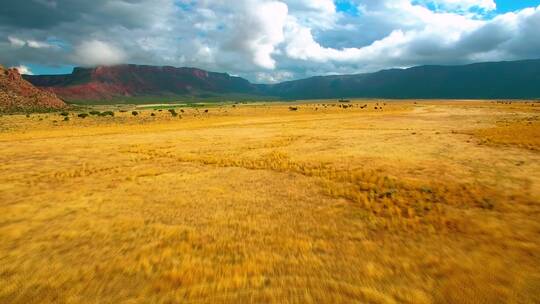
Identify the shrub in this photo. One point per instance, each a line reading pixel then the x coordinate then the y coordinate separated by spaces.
pixel 205 111
pixel 123 111
pixel 134 113
pixel 64 113
pixel 181 110
pixel 106 113
pixel 94 112
pixel 66 118
pixel 173 112
pixel 152 114
pixel 293 108
pixel 82 115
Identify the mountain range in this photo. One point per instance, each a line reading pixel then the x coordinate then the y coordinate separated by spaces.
pixel 504 80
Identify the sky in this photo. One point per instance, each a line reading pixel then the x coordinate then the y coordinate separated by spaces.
pixel 266 41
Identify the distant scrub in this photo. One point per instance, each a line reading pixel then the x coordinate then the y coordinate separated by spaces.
pixel 134 113
pixel 173 112
pixel 107 113
pixel 64 113
pixel 94 112
pixel 82 115
pixel 293 108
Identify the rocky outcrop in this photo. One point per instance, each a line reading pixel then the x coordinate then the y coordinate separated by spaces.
pixel 18 95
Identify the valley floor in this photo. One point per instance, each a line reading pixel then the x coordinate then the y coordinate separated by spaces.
pixel 420 202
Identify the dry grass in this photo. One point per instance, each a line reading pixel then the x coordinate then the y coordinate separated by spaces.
pixel 430 202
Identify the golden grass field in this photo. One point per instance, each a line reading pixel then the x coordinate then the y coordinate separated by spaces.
pixel 421 202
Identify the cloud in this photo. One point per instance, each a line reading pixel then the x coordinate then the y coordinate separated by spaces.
pixel 23 70
pixel 18 43
pixel 463 5
pixel 274 76
pixel 256 29
pixel 265 40
pixel 95 52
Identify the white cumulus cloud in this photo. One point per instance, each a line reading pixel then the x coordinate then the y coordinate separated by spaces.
pixel 23 70
pixel 95 52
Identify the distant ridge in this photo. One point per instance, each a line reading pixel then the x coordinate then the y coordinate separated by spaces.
pixel 129 80
pixel 489 80
pixel 510 79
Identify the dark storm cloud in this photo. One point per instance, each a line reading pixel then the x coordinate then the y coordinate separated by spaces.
pixel 46 14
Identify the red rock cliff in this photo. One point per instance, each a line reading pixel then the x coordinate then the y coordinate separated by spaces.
pixel 17 94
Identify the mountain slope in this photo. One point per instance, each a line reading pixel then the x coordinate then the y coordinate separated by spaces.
pixel 124 81
pixel 17 94
pixel 515 79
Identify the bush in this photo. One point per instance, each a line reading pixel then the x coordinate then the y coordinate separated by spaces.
pixel 293 108
pixel 64 114
pixel 152 114
pixel 134 113
pixel 106 113
pixel 205 111
pixel 94 112
pixel 82 115
pixel 173 112
pixel 66 118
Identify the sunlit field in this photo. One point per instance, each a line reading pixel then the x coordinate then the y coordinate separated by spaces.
pixel 320 202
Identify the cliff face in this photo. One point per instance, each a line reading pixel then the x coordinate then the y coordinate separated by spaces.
pixel 17 94
pixel 102 83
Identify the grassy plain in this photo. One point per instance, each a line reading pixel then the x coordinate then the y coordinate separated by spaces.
pixel 420 202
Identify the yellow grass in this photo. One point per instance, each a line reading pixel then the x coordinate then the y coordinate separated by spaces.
pixel 426 202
